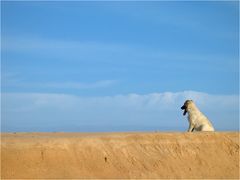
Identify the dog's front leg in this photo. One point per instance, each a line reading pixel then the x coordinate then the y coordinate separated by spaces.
pixel 191 127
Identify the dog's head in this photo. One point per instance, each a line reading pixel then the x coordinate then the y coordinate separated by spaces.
pixel 186 106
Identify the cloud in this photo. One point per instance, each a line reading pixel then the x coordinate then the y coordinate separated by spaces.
pixel 15 81
pixel 56 63
pixel 75 85
pixel 106 52
pixel 59 47
pixel 62 112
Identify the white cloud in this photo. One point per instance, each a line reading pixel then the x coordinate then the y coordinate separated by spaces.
pixel 123 55
pixel 18 82
pixel 59 111
pixel 59 47
pixel 104 51
pixel 76 85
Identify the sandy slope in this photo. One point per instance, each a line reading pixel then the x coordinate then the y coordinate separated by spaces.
pixel 120 155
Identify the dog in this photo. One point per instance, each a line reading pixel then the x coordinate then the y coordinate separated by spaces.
pixel 197 121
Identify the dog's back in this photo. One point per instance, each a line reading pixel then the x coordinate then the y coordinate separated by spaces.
pixel 201 122
pixel 198 121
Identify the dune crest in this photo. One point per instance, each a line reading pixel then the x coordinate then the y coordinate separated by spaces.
pixel 120 155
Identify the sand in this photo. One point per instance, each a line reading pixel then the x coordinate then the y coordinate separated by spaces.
pixel 120 155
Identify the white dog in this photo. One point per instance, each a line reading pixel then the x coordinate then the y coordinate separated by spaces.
pixel 197 121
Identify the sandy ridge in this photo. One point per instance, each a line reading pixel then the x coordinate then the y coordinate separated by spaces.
pixel 120 155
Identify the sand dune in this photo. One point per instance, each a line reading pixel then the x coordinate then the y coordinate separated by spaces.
pixel 120 155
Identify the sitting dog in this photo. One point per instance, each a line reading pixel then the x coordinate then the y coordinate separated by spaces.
pixel 197 121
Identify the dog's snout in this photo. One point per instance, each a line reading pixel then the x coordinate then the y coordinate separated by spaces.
pixel 183 107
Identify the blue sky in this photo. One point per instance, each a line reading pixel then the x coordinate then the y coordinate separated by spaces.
pixel 111 54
